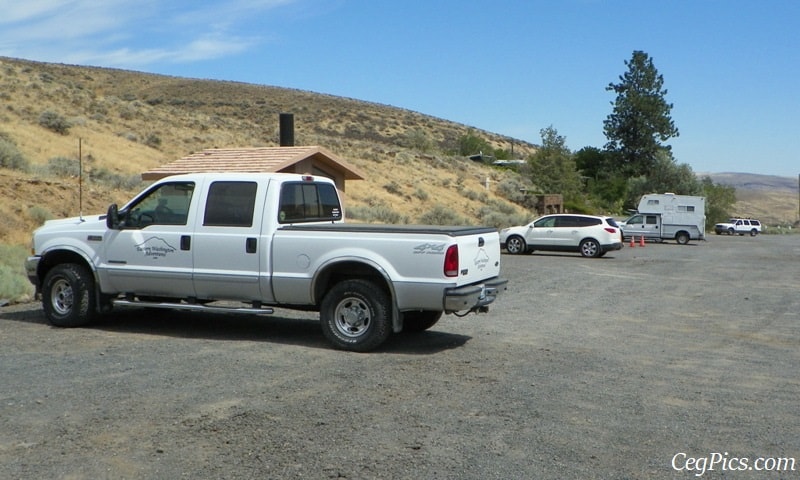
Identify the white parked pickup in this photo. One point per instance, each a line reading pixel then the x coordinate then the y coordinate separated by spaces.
pixel 200 241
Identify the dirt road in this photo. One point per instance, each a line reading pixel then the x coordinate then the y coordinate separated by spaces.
pixel 637 365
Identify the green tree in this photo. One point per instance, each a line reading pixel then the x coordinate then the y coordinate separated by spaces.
pixel 666 175
pixel 640 121
pixel 471 144
pixel 605 189
pixel 719 200
pixel 553 167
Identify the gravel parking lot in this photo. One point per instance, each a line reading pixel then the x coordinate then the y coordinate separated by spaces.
pixel 640 364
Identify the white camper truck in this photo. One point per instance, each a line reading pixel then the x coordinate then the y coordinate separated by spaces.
pixel 666 217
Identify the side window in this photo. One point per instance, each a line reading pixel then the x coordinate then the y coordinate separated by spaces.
pixel 651 220
pixel 562 222
pixel 547 222
pixel 308 202
pixel 652 202
pixel 588 221
pixel 635 220
pixel 230 204
pixel 167 204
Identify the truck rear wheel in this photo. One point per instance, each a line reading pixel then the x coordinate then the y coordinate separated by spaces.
pixel 355 315
pixel 682 238
pixel 68 296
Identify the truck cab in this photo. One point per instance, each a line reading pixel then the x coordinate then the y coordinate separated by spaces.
pixel 642 224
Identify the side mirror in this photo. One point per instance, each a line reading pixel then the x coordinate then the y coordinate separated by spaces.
pixel 112 218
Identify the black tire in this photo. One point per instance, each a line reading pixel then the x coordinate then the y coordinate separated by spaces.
pixel 590 248
pixel 68 296
pixel 515 245
pixel 356 315
pixel 731 231
pixel 420 321
pixel 753 232
pixel 682 238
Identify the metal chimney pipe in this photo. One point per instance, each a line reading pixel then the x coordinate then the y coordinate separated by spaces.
pixel 287 129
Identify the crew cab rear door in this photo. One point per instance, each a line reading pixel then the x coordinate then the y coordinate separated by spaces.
pixel 228 250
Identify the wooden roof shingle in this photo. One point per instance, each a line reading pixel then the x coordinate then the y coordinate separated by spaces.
pixel 253 159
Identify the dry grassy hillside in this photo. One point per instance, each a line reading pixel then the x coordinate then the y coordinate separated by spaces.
pixel 129 122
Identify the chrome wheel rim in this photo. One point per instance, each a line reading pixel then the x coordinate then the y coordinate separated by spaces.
pixel 62 297
pixel 352 317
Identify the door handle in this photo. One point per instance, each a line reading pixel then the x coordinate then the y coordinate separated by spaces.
pixel 186 242
pixel 250 245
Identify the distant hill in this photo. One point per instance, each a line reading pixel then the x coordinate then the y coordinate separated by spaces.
pixel 770 198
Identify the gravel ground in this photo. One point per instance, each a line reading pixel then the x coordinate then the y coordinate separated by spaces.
pixel 620 367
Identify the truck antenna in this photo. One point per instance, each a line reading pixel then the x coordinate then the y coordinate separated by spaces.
pixel 80 180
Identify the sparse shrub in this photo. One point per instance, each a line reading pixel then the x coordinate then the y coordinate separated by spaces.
pixel 379 213
pixel 417 139
pixel 513 189
pixel 421 194
pixel 54 122
pixel 492 217
pixel 152 140
pixel 441 215
pixel 39 214
pixel 475 196
pixel 115 180
pixel 393 188
pixel 130 136
pixel 11 157
pixel 14 285
pixel 63 167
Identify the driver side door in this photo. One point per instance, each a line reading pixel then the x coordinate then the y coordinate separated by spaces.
pixel 150 254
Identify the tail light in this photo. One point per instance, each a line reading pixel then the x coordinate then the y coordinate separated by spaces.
pixel 451 261
pixel 610 230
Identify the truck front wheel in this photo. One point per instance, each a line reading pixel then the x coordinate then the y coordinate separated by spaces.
pixel 355 315
pixel 68 296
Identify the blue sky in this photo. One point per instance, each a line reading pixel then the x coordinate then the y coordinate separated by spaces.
pixel 731 67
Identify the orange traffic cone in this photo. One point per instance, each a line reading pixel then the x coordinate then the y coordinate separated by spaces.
pixel 641 241
pixel 633 241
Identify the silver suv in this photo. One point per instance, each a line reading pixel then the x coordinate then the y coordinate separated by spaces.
pixel 590 235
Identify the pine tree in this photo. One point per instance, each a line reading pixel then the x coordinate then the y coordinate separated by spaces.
pixel 641 120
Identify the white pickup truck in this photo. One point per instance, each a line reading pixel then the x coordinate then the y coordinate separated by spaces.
pixel 246 242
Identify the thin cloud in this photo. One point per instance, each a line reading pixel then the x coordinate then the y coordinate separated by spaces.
pixel 128 33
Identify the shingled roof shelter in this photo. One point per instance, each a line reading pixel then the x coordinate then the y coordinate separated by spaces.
pixel 311 159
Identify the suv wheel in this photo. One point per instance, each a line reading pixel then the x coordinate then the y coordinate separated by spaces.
pixel 590 248
pixel 515 245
